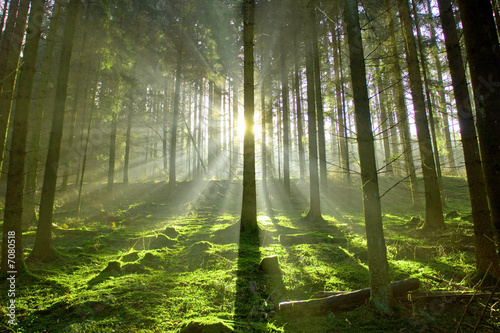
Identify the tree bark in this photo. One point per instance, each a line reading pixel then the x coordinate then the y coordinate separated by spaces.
pixel 381 293
pixel 402 116
pixel 44 248
pixel 12 226
pixel 177 92
pixel 37 116
pixel 484 246
pixel 249 200
pixel 342 301
pixel 483 52
pixel 433 209
pixel 8 76
pixel 286 116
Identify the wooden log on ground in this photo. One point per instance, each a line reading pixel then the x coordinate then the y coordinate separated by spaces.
pixel 343 301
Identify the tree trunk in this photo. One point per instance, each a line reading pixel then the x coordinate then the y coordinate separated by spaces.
pixel 342 301
pixel 249 202
pixel 381 293
pixel 318 100
pixel 173 140
pixel 286 116
pixel 441 93
pixel 298 105
pixel 314 214
pixel 423 62
pixel 402 116
pixel 433 208
pixel 112 156
pixel 483 52
pixel 37 116
pixel 384 121
pixel 44 248
pixel 12 226
pixel 8 77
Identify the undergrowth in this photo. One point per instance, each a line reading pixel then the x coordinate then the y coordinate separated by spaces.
pixel 158 260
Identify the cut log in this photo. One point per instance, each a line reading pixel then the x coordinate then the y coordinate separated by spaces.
pixel 343 301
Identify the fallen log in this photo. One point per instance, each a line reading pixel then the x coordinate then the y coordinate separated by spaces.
pixel 342 301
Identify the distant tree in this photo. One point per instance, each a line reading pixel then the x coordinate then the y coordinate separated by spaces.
pixel 249 202
pixel 8 70
pixel 314 214
pixel 37 116
pixel 44 248
pixel 483 52
pixel 15 179
pixel 381 292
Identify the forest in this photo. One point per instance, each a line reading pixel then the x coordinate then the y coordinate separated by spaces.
pixel 250 166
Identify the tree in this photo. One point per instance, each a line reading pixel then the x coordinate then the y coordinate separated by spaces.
pixel 44 248
pixel 15 180
pixel 483 52
pixel 381 292
pixel 484 246
pixel 433 209
pixel 249 201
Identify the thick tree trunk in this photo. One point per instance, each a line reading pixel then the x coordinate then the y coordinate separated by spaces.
pixel 433 209
pixel 483 52
pixel 483 228
pixel 381 293
pixel 12 226
pixel 342 301
pixel 44 248
pixel 249 201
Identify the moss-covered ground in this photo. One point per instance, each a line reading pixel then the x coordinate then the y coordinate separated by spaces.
pixel 168 259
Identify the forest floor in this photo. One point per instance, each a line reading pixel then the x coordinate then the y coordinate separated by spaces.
pixel 160 259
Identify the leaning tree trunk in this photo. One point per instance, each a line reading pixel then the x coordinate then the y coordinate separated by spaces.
pixel 483 52
pixel 44 248
pixel 249 201
pixel 380 283
pixel 314 214
pixel 12 226
pixel 433 209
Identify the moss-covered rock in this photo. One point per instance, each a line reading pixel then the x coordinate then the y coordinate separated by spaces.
pixel 134 268
pixel 207 326
pixel 162 241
